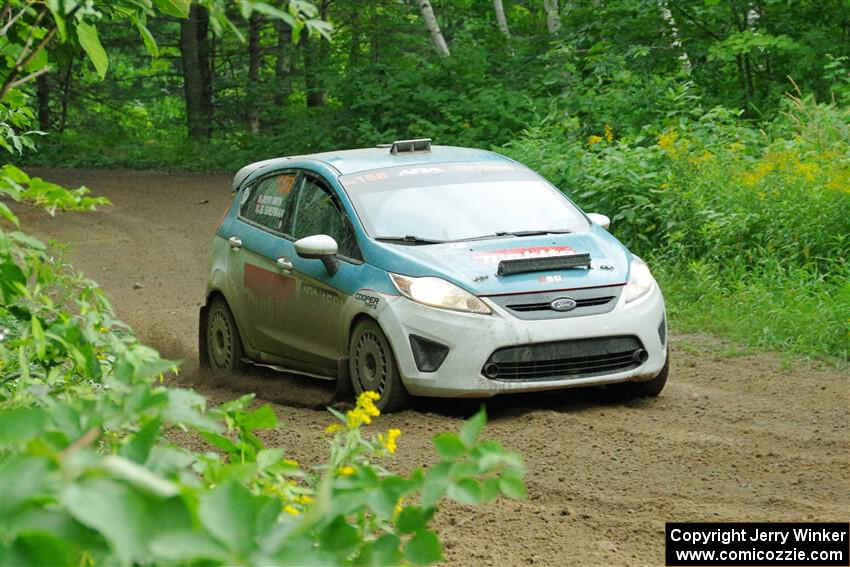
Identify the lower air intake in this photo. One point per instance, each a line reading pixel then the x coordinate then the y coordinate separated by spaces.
pixel 566 360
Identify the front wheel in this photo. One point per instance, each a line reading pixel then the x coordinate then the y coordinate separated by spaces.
pixel 224 346
pixel 647 389
pixel 372 366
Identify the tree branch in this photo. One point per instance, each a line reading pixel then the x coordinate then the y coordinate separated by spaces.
pixel 29 77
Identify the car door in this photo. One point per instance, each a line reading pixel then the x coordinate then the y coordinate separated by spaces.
pixel 259 263
pixel 320 296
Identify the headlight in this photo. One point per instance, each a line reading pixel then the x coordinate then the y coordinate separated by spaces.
pixel 436 292
pixel 640 280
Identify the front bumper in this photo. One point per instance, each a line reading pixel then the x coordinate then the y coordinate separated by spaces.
pixel 473 338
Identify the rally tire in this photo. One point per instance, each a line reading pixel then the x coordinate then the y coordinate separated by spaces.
pixel 372 366
pixel 649 388
pixel 224 345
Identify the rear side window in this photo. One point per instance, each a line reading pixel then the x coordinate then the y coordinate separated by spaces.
pixel 317 213
pixel 266 202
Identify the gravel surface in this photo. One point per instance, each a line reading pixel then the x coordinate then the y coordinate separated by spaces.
pixel 735 436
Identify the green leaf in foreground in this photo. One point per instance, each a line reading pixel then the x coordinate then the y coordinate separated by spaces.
pixel 176 8
pixel 449 446
pixel 90 42
pixel 424 548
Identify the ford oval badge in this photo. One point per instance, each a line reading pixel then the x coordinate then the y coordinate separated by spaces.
pixel 563 304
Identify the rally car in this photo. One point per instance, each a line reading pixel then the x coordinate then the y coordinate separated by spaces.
pixel 419 270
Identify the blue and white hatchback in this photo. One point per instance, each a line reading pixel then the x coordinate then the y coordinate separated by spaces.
pixel 411 269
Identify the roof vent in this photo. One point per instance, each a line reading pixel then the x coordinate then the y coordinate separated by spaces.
pixel 411 146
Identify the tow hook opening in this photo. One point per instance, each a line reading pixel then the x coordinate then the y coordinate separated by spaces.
pixel 491 370
pixel 640 356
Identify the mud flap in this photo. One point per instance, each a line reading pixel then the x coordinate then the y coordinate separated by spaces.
pixel 203 355
pixel 344 390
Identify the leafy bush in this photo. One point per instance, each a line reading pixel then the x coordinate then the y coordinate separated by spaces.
pixel 89 475
pixel 729 215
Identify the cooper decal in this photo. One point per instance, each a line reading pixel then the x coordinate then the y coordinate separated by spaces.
pixel 369 300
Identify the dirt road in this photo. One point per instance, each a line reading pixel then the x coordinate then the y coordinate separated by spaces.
pixel 734 436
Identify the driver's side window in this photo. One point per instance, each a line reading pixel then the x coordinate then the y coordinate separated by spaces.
pixel 317 213
pixel 267 201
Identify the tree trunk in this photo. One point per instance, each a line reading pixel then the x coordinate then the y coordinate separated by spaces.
pixel 66 93
pixel 206 53
pixel 314 55
pixel 255 24
pixel 43 88
pixel 500 18
pixel 430 19
pixel 312 81
pixel 667 16
pixel 283 63
pixel 374 37
pixel 553 18
pixel 194 89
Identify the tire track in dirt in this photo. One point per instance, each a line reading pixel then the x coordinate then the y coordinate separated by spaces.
pixel 731 438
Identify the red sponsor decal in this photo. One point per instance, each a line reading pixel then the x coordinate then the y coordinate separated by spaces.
pixel 496 256
pixel 285 183
pixel 266 283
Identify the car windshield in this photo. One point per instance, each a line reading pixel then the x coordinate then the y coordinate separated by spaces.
pixel 445 202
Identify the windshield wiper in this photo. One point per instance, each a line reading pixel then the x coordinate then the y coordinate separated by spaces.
pixel 514 233
pixel 408 239
pixel 534 232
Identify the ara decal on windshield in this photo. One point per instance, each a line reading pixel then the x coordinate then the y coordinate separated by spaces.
pixel 481 167
pixel 550 279
pixel 419 171
pixel 369 300
pixel 496 256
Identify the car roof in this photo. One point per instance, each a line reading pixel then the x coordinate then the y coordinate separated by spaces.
pixel 365 159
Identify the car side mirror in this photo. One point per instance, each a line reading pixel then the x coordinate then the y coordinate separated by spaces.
pixel 319 247
pixel 601 220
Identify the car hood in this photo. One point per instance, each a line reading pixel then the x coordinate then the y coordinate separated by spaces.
pixel 473 265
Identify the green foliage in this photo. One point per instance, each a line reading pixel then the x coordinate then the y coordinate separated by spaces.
pixel 88 474
pixel 729 215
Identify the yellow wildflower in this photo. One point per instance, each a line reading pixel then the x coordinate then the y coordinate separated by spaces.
pixel 333 428
pixel 736 147
pixel 364 411
pixel 667 140
pixel 304 499
pixel 609 133
pixel 807 170
pixel 398 507
pixel 593 140
pixel 347 470
pixel 389 442
pixel 291 462
pixel 291 510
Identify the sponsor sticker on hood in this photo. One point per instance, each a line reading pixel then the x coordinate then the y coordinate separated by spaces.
pixel 496 256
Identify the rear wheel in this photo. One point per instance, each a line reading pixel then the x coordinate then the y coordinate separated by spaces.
pixel 372 366
pixel 224 346
pixel 647 389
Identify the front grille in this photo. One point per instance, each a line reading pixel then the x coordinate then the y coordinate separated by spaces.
pixel 544 306
pixel 567 360
pixel 537 305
